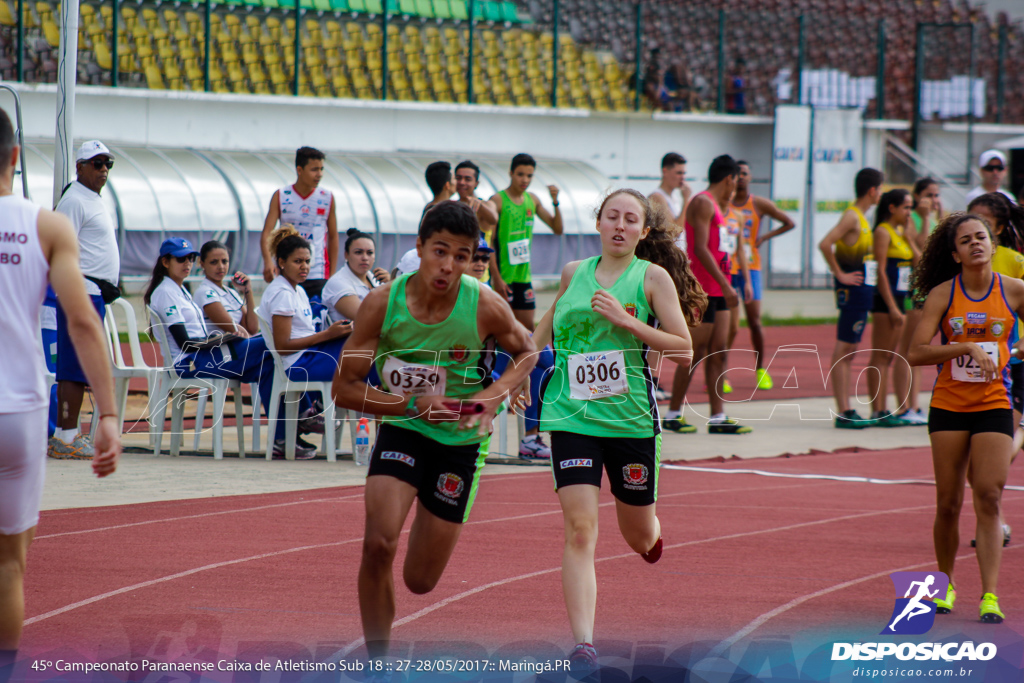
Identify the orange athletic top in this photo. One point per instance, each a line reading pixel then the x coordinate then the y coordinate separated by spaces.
pixel 750 221
pixel 990 323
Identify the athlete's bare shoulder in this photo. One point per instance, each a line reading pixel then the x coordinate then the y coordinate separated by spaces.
pixel 54 230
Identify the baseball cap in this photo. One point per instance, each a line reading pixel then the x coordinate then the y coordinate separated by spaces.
pixel 90 149
pixel 176 246
pixel 990 155
pixel 483 245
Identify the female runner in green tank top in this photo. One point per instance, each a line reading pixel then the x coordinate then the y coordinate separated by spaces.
pixel 599 402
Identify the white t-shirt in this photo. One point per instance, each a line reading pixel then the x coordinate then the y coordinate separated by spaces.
pixel 345 283
pixel 409 262
pixel 97 235
pixel 173 305
pixel 281 298
pixel 208 292
pixel 978 191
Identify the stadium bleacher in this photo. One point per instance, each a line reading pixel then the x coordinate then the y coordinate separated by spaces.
pixel 161 45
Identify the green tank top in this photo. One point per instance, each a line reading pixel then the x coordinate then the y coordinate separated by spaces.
pixel 448 358
pixel 515 237
pixel 601 384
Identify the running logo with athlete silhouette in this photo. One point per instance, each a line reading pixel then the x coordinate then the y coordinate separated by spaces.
pixel 914 612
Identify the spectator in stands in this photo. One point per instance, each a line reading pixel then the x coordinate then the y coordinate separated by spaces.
pixel 101 266
pixel 349 286
pixel 307 354
pixel 228 306
pixel 993 172
pixel 310 209
pixel 735 97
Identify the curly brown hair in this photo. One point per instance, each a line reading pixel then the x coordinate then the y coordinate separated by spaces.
pixel 937 264
pixel 659 247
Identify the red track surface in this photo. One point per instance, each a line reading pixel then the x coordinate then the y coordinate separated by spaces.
pixel 165 579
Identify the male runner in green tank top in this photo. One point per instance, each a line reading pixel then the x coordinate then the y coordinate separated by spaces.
pixel 513 240
pixel 431 334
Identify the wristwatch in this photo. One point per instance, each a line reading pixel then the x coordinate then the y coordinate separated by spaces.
pixel 410 410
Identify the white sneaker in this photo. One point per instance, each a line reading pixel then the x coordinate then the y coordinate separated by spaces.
pixel 915 417
pixel 534 448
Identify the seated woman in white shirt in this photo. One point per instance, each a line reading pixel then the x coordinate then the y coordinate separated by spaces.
pixel 349 286
pixel 224 307
pixel 194 350
pixel 307 354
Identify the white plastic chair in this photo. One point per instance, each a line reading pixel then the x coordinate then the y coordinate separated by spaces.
pixel 168 381
pixel 285 387
pixel 126 370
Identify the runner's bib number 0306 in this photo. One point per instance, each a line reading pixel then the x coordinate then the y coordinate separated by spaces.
pixel 966 369
pixel 413 379
pixel 519 252
pixel 871 273
pixel 597 375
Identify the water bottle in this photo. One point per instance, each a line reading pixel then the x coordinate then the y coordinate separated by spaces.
pixel 362 454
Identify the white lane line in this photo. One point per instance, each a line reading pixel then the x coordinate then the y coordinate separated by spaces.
pixel 828 477
pixel 199 516
pixel 512 579
pixel 764 618
pixel 226 563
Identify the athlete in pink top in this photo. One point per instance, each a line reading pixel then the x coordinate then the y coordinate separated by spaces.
pixel 708 245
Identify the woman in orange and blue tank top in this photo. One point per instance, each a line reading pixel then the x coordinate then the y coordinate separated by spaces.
pixel 970 420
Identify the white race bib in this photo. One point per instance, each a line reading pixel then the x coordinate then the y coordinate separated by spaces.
pixel 597 375
pixel 748 252
pixel 726 240
pixel 871 273
pixel 965 369
pixel 413 379
pixel 903 280
pixel 519 252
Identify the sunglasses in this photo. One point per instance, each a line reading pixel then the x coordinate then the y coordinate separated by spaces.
pixel 100 163
pixel 181 259
pixel 481 258
pixel 993 168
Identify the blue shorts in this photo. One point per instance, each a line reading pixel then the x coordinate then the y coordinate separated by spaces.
pixel 68 367
pixel 755 283
pixel 851 324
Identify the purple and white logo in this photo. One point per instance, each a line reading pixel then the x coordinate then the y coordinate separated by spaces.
pixel 914 612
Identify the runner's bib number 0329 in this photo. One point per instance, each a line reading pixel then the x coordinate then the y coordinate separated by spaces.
pixel 903 279
pixel 519 252
pixel 597 375
pixel 413 379
pixel 966 369
pixel 871 273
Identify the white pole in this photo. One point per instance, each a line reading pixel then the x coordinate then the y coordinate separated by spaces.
pixel 67 73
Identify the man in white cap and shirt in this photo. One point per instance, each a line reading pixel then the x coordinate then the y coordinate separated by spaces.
pixel 101 266
pixel 993 171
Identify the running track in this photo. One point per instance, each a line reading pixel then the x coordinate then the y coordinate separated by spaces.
pixel 746 555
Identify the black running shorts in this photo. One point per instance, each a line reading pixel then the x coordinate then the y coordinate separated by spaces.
pixel 446 477
pixel 999 420
pixel 632 464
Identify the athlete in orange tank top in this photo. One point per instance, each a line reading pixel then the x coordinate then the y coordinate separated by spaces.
pixel 970 421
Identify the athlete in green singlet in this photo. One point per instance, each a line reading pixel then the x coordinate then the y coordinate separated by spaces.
pixel 513 240
pixel 431 334
pixel 599 403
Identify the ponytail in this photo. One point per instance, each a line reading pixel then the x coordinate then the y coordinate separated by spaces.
pixel 159 273
pixel 285 240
